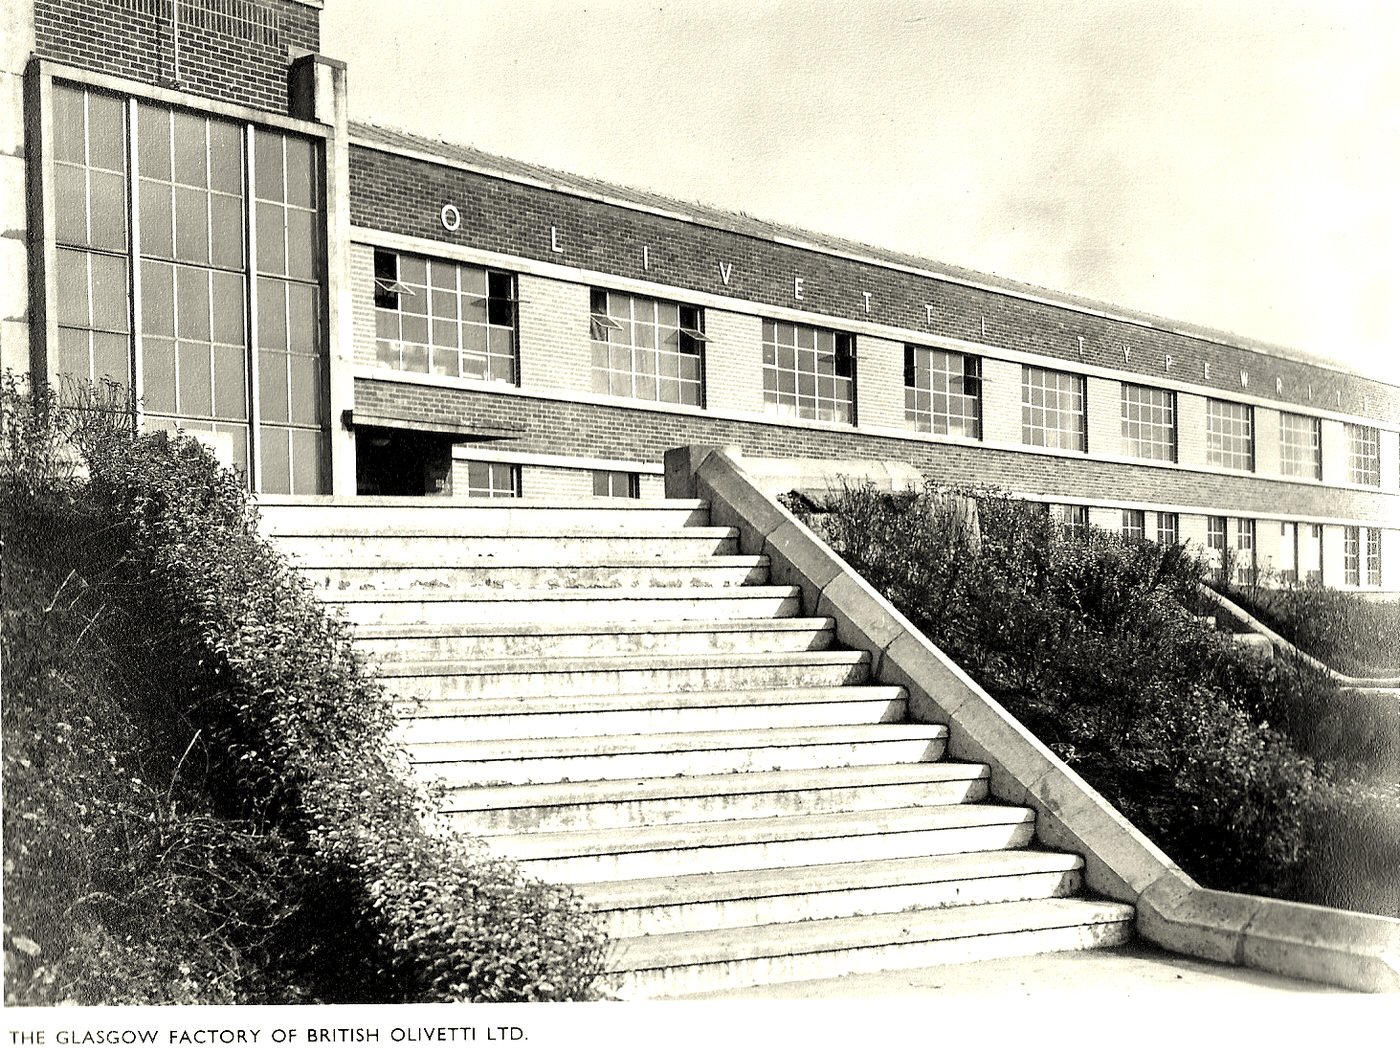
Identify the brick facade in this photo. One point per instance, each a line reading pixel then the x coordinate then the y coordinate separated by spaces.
pixel 233 51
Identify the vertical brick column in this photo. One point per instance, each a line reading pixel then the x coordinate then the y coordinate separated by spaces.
pixel 1390 461
pixel 1268 547
pixel 1390 560
pixel 1001 401
pixel 879 383
pixel 554 348
pixel 1334 454
pixel 1192 529
pixel 1103 404
pixel 1333 553
pixel 1267 459
pixel 1106 518
pixel 733 362
pixel 1190 429
pixel 362 304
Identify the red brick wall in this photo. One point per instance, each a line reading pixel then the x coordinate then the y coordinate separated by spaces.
pixel 230 50
pixel 405 196
pixel 561 428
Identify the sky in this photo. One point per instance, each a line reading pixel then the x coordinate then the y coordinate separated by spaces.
pixel 1226 163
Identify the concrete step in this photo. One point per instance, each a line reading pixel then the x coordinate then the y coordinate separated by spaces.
pixel 416 642
pixel 620 853
pixel 598 675
pixel 536 716
pixel 499 514
pixel 440 572
pixel 535 760
pixel 451 545
pixel 651 966
pixel 692 902
pixel 700 798
pixel 510 606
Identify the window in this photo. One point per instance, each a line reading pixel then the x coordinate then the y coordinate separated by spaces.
pixel 1351 555
pixel 1168 528
pixel 1288 552
pixel 646 349
pixel 1073 520
pixel 1216 537
pixel 1300 446
pixel 1363 455
pixel 443 317
pixel 1052 409
pixel 617 484
pixel 490 479
pixel 1230 435
pixel 1149 423
pixel 943 392
pixel 1373 557
pixel 808 372
pixel 1134 524
pixel 228 229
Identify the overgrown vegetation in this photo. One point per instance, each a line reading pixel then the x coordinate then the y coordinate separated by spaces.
pixel 202 802
pixel 1235 764
pixel 1353 634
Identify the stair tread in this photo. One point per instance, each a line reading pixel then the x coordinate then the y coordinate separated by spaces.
pixel 720 832
pixel 447 561
pixel 684 741
pixel 729 784
pixel 650 700
pixel 917 926
pixel 585 628
pixel 821 877
pixel 597 663
pixel 597 592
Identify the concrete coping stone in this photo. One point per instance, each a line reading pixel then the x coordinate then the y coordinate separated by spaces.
pixel 1357 951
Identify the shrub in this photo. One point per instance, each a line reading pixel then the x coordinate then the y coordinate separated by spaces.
pixel 1214 752
pixel 1349 632
pixel 292 837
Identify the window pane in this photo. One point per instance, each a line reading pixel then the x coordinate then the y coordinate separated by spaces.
pixel 191 225
pixel 192 303
pixel 69 125
pixel 153 141
pixel 196 379
pixel 111 357
pixel 158 375
pixel 228 308
pixel 70 201
pixel 272 315
pixel 191 167
pixel 301 244
pixel 73 306
pixel 305 389
pixel 225 157
pixel 306 462
pixel 276 465
pixel 109 293
pixel 227 237
pixel 267 165
pixel 272 385
pixel 157 238
pixel 272 253
pixel 303 318
pixel 106 133
pixel 157 298
pixel 230 383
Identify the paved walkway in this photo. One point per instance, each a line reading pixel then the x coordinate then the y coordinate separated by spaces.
pixel 1117 971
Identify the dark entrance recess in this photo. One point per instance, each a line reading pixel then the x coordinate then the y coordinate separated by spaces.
pixel 412 458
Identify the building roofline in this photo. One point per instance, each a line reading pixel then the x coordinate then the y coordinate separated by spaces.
pixel 469 158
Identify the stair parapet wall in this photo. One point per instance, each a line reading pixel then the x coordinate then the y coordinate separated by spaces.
pixel 1357 951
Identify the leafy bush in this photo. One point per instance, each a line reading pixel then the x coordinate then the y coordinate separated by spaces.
pixel 1090 641
pixel 202 799
pixel 1351 633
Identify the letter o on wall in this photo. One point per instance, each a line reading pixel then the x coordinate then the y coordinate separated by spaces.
pixel 451 218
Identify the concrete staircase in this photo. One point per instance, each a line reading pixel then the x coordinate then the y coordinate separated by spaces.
pixel 616 697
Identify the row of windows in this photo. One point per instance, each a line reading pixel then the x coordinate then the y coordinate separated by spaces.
pixel 455 319
pixel 492 479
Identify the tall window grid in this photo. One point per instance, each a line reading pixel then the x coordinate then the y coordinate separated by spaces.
pixel 943 392
pixel 444 317
pixel 226 229
pixel 1052 409
pixel 492 479
pixel 646 349
pixel 1230 435
pixel 1149 422
pixel 1363 455
pixel 1134 524
pixel 1351 555
pixel 1073 520
pixel 808 372
pixel 1373 557
pixel 1300 446
pixel 1312 556
pixel 1246 567
pixel 1217 536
